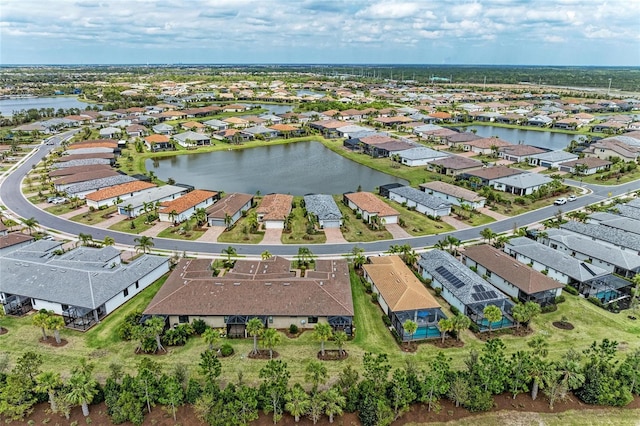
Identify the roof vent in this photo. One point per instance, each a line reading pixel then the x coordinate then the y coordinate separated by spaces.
pixel 218 283
pixel 267 283
pixel 236 283
pixel 286 283
pixel 321 282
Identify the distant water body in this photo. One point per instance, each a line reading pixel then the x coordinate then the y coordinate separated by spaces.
pixel 543 139
pixel 9 106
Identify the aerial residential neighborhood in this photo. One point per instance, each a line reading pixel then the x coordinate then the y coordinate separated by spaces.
pixel 262 226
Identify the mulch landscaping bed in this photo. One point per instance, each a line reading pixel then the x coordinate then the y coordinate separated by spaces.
pixel 290 335
pixel 563 325
pixel 51 341
pixel 448 343
pixel 332 355
pixel 263 354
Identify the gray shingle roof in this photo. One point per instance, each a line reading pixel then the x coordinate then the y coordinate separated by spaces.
pixel 98 183
pixel 152 195
pixel 323 206
pixel 630 212
pixel 70 282
pixel 421 153
pixel 555 156
pixel 472 283
pixel 594 249
pixel 420 197
pixel 524 180
pixel 84 162
pixel 616 221
pixel 554 259
pixel 604 233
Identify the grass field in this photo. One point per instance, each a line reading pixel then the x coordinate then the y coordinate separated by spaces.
pixel 125 225
pixel 93 217
pixel 102 346
pixel 355 229
pixel 298 233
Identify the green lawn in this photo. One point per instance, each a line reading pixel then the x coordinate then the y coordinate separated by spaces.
pixel 177 233
pixel 97 216
pixel 477 219
pixel 59 209
pixel 516 209
pixel 624 178
pixel 240 234
pixel 355 229
pixel 138 222
pixel 101 345
pixel 419 224
pixel 298 233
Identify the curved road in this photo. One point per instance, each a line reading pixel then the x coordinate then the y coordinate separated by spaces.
pixel 13 199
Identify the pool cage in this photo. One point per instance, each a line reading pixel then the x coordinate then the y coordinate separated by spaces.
pixel 82 319
pixel 608 289
pixel 17 305
pixel 475 312
pixel 427 320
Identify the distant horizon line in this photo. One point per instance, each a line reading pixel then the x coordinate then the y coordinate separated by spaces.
pixel 304 64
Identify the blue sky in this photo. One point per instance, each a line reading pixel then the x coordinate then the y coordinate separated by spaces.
pixel 518 32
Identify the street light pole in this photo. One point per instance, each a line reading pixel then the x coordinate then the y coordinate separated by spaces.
pixel 609 89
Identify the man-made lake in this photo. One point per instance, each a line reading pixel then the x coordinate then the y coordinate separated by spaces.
pixel 542 139
pixel 272 108
pixel 8 106
pixel 297 168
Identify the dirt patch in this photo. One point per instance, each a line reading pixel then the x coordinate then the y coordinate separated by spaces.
pixel 3 331
pixel 263 354
pixel 332 355
pixel 291 335
pixel 448 343
pixel 410 348
pixel 563 325
pixel 51 341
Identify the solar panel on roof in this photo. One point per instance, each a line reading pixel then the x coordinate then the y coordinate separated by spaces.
pixel 447 275
pixel 492 294
pixel 476 297
pixel 478 288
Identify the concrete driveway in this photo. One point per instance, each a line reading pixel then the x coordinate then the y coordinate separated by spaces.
pixel 334 235
pixel 272 236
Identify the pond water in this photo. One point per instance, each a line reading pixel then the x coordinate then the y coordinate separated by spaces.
pixel 272 108
pixel 307 92
pixel 542 139
pixel 296 168
pixel 8 106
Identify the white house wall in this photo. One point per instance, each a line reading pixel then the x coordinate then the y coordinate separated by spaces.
pixel 496 280
pixel 144 282
pixel 44 304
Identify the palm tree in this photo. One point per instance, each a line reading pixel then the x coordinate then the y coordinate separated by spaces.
pixel 40 320
pixel 230 252
pixel 322 332
pixel 297 402
pixel 304 256
pixel 30 224
pixel 108 241
pixel 254 328
pixel 340 337
pixel 228 220
pixel 492 314
pixel 211 336
pixel 265 255
pixel 316 373
pixel 539 345
pixel 48 383
pixel 82 390
pixel 334 403
pixel 357 254
pixel 200 215
pixel 55 323
pixel 172 216
pixel 270 339
pixel 128 209
pixel 85 239
pixel 143 244
pixel 488 234
pixel 410 327
pixel 460 322
pixel 445 325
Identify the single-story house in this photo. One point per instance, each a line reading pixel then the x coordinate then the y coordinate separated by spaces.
pixel 109 132
pixel 610 258
pixel 261 132
pixel 511 276
pixel 454 165
pixel 521 184
pixel 84 162
pixel 403 297
pixel 82 189
pixel 237 122
pixel 551 159
pixel 556 264
pixel 608 235
pixel 163 129
pixel 585 166
pixel 485 146
pixel 453 194
pixel 190 138
pixel 83 285
pixel 419 156
pixel 181 208
pixel 64 182
pixel 616 221
pixel 228 210
pixel 110 156
pixel 370 206
pixel 488 175
pixel 350 130
pixel 158 142
pixel 325 209
pixel 134 206
pixel 136 131
pixel 274 210
pixel 612 147
pixel 519 153
pixel 108 196
pixel 216 124
pixel 78 149
pixel 328 128
pixel 460 138
pixel 423 202
pixel 465 290
pixel 540 121
pixel 194 126
pixel 264 289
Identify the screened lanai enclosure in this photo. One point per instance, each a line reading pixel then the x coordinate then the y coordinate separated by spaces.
pixel 427 320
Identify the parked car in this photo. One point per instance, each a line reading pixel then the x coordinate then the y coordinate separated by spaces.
pixel 52 199
pixel 60 200
pixel 560 201
pixel 572 198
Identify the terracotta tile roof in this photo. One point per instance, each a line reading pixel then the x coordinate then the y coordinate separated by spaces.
pixel 398 286
pixel 377 139
pixel 83 177
pixel 440 114
pixel 235 120
pixel 229 204
pixel 368 202
pixel 187 201
pixel 275 206
pixel 157 138
pixel 330 124
pixel 191 290
pixel 283 128
pixel 453 190
pixel 515 272
pixel 78 169
pixel 118 190
pixel 192 124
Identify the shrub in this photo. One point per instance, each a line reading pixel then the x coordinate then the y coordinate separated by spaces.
pixel 454 310
pixel 386 320
pixel 199 326
pixel 226 349
pixel 549 308
pixel 595 301
pixel 293 329
pixel 520 200
pixel 125 330
pixel 358 216
pixel 474 327
pixel 374 297
pixel 438 291
pixel 571 290
pixel 560 299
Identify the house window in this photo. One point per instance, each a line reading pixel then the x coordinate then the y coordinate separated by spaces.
pixel 270 320
pixel 313 320
pixel 226 319
pixel 183 319
pixel 125 293
pixel 488 274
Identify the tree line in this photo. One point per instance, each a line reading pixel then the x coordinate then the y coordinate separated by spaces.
pixel 379 394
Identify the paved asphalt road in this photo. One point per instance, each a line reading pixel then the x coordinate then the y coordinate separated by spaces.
pixel 12 198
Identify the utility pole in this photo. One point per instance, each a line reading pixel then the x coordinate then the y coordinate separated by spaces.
pixel 609 89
